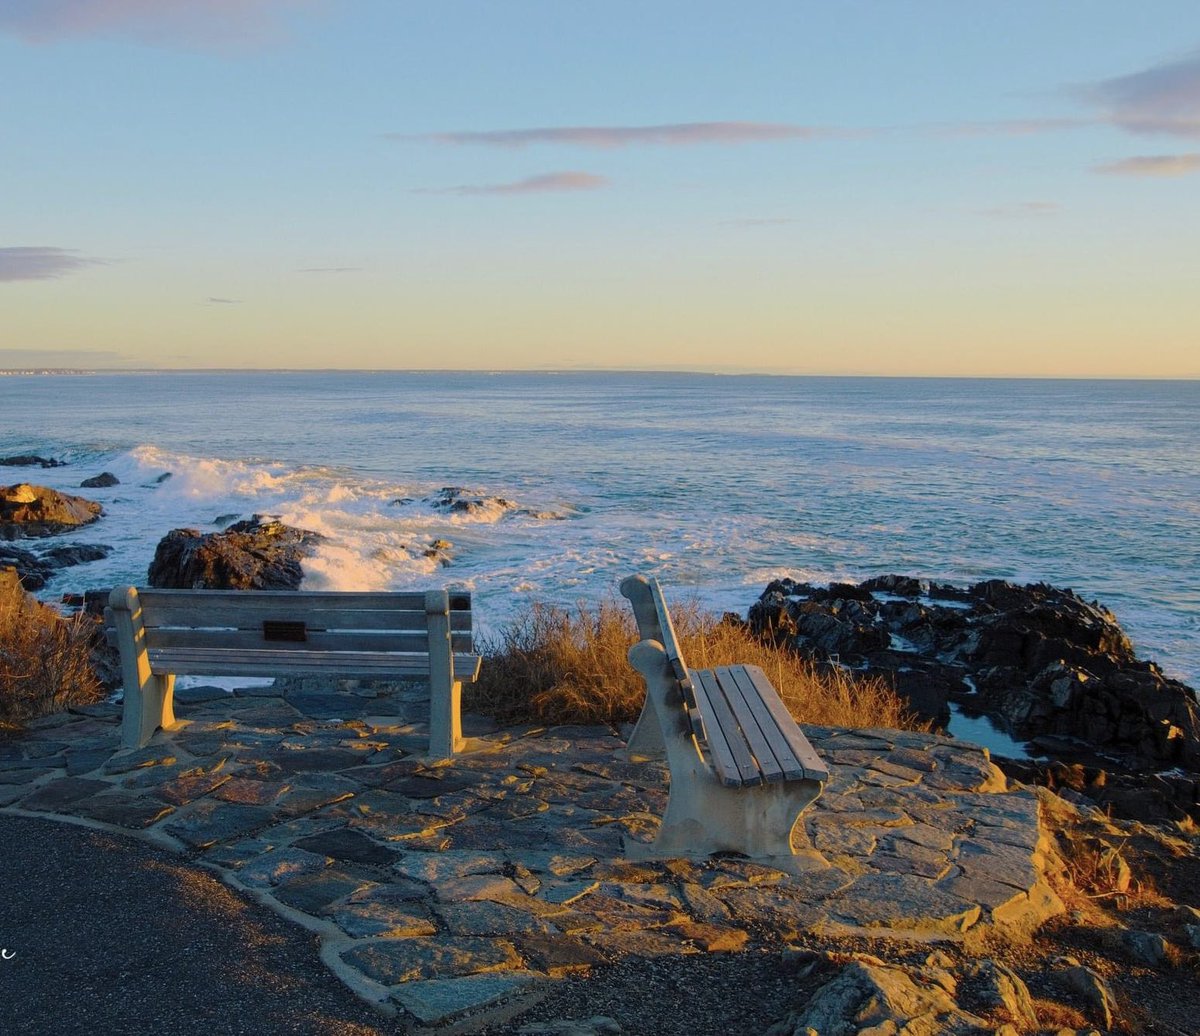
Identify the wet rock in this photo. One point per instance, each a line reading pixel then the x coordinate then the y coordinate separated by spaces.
pixel 33 511
pixel 457 500
pixel 101 481
pixel 252 555
pixel 70 554
pixel 31 460
pixel 1040 661
pixel 32 571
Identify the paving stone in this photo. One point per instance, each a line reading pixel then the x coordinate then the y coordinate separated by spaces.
pixel 150 755
pixel 315 893
pixel 712 938
pixel 453 863
pixel 435 1000
pixel 905 901
pixel 86 760
pixel 485 918
pixel 189 786
pixel 475 887
pixel 564 893
pixel 279 866
pixel 618 944
pixel 925 835
pixel 58 796
pixel 344 844
pixel 392 920
pixel 249 792
pixel 209 822
pixel 308 798
pixel 26 776
pixel 134 812
pixel 651 895
pixel 701 903
pixel 421 786
pixel 237 854
pixel 405 960
pixel 199 695
pixel 558 954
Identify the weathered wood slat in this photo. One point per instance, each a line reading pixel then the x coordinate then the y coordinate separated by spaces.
pixel 225 612
pixel 670 641
pixel 814 769
pixel 272 662
pixel 739 703
pixel 732 760
pixel 315 640
pixel 755 695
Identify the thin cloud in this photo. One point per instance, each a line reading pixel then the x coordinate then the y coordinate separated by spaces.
pixel 42 263
pixel 1006 127
pixel 215 301
pixel 189 22
pixel 330 269
pixel 669 134
pixel 1022 210
pixel 1153 165
pixel 1162 99
pixel 546 184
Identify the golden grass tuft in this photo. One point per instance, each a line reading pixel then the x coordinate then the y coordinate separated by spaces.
pixel 45 663
pixel 551 665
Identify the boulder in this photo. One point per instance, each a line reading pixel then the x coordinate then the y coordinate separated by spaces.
pixel 457 500
pixel 101 481
pixel 258 554
pixel 30 460
pixel 1038 660
pixel 32 571
pixel 873 997
pixel 30 511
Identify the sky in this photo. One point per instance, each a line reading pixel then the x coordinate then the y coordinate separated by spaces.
pixel 879 188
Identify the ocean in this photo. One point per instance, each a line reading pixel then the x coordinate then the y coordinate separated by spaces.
pixel 716 484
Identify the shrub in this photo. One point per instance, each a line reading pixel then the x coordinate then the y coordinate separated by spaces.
pixel 551 665
pixel 44 658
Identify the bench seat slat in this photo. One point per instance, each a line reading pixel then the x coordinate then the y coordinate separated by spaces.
pixel 814 769
pixel 735 685
pixel 315 640
pixel 349 664
pixel 733 762
pixel 754 695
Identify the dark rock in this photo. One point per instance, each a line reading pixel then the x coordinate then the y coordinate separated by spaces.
pixel 70 554
pixel 250 555
pixel 31 570
pixel 162 478
pixel 344 844
pixel 30 460
pixel 27 510
pixel 457 500
pixel 222 520
pixel 1038 660
pixel 101 481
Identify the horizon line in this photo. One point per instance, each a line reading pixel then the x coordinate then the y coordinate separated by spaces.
pixel 37 370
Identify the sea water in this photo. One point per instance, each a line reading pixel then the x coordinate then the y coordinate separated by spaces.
pixel 716 484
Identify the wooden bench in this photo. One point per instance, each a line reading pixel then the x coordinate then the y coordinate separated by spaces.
pixel 742 771
pixel 167 633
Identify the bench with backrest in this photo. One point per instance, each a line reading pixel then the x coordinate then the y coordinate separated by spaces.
pixel 167 633
pixel 741 770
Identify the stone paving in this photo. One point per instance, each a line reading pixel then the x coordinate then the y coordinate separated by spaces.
pixel 441 888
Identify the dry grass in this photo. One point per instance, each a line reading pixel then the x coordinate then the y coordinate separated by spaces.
pixel 550 665
pixel 44 659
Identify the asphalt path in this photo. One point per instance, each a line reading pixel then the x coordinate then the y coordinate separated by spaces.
pixel 102 934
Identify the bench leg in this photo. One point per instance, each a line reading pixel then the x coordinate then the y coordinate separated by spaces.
pixel 149 698
pixel 150 706
pixel 704 816
pixel 445 720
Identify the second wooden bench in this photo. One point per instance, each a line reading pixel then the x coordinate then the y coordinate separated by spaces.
pixel 167 633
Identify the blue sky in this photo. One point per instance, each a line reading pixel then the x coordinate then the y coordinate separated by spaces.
pixel 874 188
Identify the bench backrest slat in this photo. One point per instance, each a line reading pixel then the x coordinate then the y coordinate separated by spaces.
pixel 314 640
pixel 248 609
